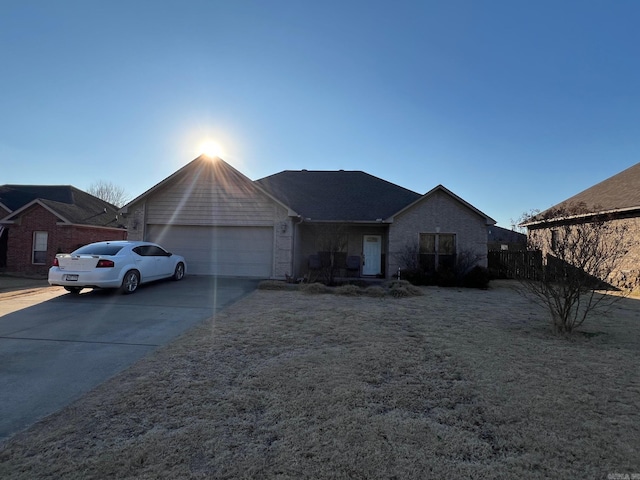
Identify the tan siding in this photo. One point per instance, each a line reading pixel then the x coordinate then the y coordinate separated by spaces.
pixel 214 195
pixel 196 199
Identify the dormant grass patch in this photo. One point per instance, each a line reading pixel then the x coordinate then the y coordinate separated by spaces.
pixel 454 383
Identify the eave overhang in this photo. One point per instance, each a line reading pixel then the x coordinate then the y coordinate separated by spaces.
pixel 582 217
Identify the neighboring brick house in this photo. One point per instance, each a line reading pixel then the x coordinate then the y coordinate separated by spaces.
pixel 615 200
pixel 39 221
pixel 223 223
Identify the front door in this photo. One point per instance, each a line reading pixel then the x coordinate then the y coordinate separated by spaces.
pixel 372 255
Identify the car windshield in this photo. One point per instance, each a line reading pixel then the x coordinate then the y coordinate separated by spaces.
pixel 102 249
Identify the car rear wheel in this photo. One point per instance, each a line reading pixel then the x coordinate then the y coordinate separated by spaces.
pixel 179 272
pixel 130 282
pixel 73 290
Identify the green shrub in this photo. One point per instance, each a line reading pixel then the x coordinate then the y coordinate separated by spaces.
pixel 477 277
pixel 445 277
pixel 418 277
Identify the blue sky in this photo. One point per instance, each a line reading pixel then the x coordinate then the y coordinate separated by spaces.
pixel 513 105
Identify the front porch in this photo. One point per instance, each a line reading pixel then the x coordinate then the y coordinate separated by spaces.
pixel 331 251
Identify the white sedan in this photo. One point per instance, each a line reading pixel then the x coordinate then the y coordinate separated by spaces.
pixel 117 264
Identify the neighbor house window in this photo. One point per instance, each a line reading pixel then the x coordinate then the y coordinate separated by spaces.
pixel 437 250
pixel 40 247
pixel 554 240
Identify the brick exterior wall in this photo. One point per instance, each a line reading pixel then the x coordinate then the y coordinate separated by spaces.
pixel 438 213
pixel 627 276
pixel 61 239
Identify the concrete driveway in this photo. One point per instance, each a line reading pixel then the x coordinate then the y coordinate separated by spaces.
pixel 54 346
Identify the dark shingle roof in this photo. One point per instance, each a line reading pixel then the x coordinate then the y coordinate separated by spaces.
pixel 16 196
pixel 499 234
pixel 337 195
pixel 70 203
pixel 620 192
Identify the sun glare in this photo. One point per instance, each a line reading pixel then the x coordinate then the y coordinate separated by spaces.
pixel 211 149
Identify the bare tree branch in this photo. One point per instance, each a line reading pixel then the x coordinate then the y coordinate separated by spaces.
pixel 579 257
pixel 109 192
pixel 331 240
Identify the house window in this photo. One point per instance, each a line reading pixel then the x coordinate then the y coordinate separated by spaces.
pixel 40 247
pixel 437 250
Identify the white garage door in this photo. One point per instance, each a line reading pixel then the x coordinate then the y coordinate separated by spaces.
pixel 228 251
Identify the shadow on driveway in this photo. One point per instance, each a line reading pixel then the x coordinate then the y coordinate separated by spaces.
pixel 57 346
pixel 9 283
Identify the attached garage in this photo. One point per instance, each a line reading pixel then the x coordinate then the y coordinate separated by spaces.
pixel 227 251
pixel 217 219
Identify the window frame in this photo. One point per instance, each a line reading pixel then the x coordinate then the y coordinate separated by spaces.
pixel 437 242
pixel 39 256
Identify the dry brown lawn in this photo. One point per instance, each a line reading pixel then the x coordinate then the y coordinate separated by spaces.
pixel 456 383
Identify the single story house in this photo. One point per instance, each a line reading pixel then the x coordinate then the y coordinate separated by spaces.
pixel 226 224
pixel 503 239
pixel 38 221
pixel 616 201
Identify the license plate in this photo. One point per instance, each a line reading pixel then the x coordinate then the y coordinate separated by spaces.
pixel 71 278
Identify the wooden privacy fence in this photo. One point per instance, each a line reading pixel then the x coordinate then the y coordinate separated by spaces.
pixel 515 264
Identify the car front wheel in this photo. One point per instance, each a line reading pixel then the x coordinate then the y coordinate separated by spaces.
pixel 178 274
pixel 130 282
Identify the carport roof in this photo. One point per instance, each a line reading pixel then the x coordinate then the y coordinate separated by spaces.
pixel 341 195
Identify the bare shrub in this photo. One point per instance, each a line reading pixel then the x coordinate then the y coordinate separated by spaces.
pixel 348 290
pixel 408 257
pixel 273 285
pixel 466 260
pixel 374 291
pixel 402 288
pixel 397 284
pixel 399 292
pixel 314 288
pixel 580 252
pixel 445 276
pixel 332 240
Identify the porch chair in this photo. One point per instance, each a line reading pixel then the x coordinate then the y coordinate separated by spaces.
pixel 353 265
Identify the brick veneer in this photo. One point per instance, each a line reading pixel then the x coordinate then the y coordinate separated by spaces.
pixel 440 213
pixel 627 275
pixel 61 239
